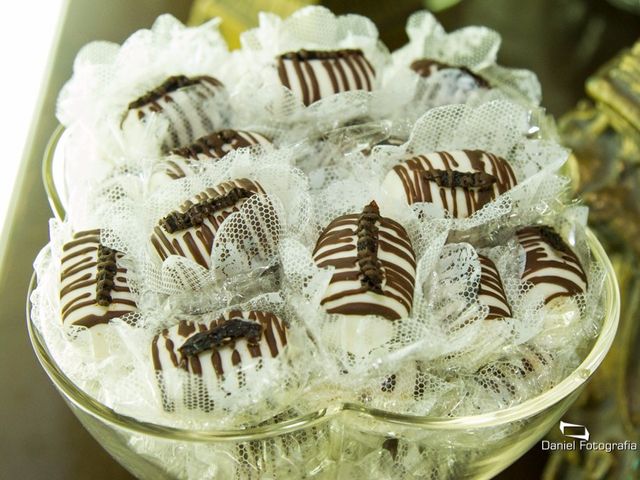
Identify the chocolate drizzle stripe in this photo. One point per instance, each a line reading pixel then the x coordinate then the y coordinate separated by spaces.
pixel 76 303
pixel 343 76
pixel 205 122
pixel 81 241
pixel 77 253
pixel 354 72
pixel 282 73
pixel 89 320
pixel 280 328
pixel 177 247
pixel 155 353
pixel 86 233
pixel 363 69
pixel 169 345
pixel 372 70
pixel 398 251
pixel 328 253
pixel 534 268
pixel 83 281
pixel 163 243
pixel 332 76
pixel 194 250
pixel 315 88
pixel 389 237
pixel 267 323
pixel 362 308
pixel 339 236
pixel 174 171
pixel 345 221
pixel 491 286
pixel 301 81
pixel 178 117
pixel 78 267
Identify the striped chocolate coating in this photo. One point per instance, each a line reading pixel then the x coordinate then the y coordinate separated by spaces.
pixel 213 146
pixel 196 242
pixel 550 264
pixel 426 67
pixel 461 182
pixel 93 287
pixel 389 290
pixel 491 291
pixel 228 367
pixel 179 100
pixel 313 75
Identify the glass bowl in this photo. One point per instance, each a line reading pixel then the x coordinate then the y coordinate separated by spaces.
pixel 340 441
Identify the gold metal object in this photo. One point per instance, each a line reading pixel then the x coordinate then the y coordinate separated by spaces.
pixel 240 16
pixel 604 134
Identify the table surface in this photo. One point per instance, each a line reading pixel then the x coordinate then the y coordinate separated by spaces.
pixel 40 437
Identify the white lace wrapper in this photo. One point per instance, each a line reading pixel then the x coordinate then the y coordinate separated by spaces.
pixel 499 127
pixel 472 48
pixel 107 77
pixel 259 93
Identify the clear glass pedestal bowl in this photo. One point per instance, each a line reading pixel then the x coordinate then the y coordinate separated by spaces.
pixel 342 441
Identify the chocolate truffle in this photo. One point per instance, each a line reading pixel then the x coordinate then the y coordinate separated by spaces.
pixel 190 231
pixel 312 75
pixel 491 292
pixel 225 355
pixel 178 100
pixel 461 182
pixel 93 286
pixel 550 265
pixel 374 262
pixel 213 146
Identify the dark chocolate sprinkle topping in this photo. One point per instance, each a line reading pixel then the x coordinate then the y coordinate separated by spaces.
pixel 197 213
pixel 171 84
pixel 467 180
pixel 222 335
pixel 550 236
pixel 302 55
pixel 107 270
pixel 367 233
pixel 424 67
pixel 211 143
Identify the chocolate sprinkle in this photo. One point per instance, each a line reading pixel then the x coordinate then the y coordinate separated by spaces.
pixel 107 270
pixel 171 84
pixel 196 214
pixel 424 66
pixel 222 335
pixel 367 233
pixel 467 180
pixel 212 142
pixel 550 236
pixel 303 55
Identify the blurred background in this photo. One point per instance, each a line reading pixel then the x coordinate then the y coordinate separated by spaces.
pixel 580 49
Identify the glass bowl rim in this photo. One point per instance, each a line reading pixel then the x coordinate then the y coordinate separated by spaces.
pixel 521 411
